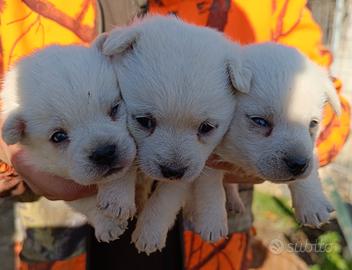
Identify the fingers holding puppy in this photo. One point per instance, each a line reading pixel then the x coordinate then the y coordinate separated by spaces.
pixel 233 173
pixel 47 185
pixel 11 186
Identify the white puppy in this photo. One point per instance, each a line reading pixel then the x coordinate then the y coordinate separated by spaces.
pixel 275 126
pixel 63 105
pixel 178 83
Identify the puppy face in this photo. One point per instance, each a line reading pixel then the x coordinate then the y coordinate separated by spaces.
pixel 275 126
pixel 175 80
pixel 63 104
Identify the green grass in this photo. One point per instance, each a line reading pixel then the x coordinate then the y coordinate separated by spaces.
pixel 270 208
pixel 275 215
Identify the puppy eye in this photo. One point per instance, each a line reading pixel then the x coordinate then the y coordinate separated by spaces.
pixel 313 124
pixel 260 122
pixel 114 110
pixel 59 136
pixel 147 121
pixel 206 127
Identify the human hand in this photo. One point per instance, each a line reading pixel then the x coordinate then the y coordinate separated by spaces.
pixel 233 173
pixel 11 183
pixel 47 185
pixel 11 186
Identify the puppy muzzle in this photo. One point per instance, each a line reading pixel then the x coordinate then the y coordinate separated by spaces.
pixel 105 155
pixel 173 173
pixel 297 165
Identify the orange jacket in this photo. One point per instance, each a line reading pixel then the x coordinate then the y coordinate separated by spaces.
pixel 27 25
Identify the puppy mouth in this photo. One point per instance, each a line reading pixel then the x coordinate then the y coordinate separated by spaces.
pixel 113 171
pixel 281 180
pixel 163 180
pixel 284 181
pixel 287 180
pixel 170 179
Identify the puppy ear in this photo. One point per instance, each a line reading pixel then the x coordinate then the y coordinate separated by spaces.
pixel 99 41
pixel 240 77
pixel 332 97
pixel 120 40
pixel 13 129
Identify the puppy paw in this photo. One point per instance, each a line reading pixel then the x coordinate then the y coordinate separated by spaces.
pixel 235 206
pixel 108 230
pixel 211 231
pixel 117 210
pixel 149 241
pixel 314 214
pixel 234 202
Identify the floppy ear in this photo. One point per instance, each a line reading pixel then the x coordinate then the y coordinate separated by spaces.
pixel 13 128
pixel 119 40
pixel 240 76
pixel 332 96
pixel 99 41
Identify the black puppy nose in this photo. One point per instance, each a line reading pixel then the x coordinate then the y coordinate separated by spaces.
pixel 104 155
pixel 172 173
pixel 296 166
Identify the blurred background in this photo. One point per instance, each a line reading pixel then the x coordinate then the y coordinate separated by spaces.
pixel 335 19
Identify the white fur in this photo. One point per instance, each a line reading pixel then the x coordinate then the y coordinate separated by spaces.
pixel 234 203
pixel 180 76
pixel 73 89
pixel 288 90
pixel 208 200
